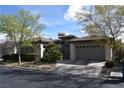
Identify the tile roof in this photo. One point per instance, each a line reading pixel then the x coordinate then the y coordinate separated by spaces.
pixel 87 38
pixel 67 37
pixel 43 40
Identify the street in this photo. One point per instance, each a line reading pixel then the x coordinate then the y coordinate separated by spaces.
pixel 25 78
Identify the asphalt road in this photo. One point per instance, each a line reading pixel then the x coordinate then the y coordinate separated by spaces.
pixel 23 78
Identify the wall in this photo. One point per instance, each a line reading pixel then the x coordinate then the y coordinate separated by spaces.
pixel 72 52
pixel 94 52
pixel 66 50
pixel 108 53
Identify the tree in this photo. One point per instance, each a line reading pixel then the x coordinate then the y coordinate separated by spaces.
pixel 105 21
pixel 52 53
pixel 21 28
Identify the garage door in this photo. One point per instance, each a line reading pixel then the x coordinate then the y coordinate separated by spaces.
pixel 90 52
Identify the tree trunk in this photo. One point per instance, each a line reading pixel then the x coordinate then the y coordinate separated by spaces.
pixel 19 55
pixel 113 48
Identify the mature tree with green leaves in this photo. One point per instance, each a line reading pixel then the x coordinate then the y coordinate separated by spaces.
pixel 106 21
pixel 21 28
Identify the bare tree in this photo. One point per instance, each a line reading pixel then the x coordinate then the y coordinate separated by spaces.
pixel 106 21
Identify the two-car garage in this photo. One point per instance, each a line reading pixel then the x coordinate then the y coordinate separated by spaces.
pixel 93 52
pixel 90 49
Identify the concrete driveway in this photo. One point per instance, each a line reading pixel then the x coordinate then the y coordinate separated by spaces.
pixel 63 76
pixel 89 70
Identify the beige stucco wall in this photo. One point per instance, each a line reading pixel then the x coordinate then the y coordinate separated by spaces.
pixel 72 52
pixel 15 50
pixel 41 50
pixel 108 53
pixel 0 53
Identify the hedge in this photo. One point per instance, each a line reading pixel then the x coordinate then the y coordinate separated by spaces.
pixel 24 57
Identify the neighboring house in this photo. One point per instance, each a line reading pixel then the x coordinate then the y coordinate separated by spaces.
pixel 74 48
pixel 38 47
pixel 6 48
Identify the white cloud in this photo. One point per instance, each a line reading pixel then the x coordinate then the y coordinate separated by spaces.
pixel 73 10
pixel 52 23
pixel 66 33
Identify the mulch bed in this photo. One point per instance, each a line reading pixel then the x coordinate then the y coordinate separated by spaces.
pixel 30 65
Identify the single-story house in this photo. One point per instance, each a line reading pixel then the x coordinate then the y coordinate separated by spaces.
pixel 85 48
pixel 75 48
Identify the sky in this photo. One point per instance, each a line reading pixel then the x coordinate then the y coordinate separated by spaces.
pixel 55 17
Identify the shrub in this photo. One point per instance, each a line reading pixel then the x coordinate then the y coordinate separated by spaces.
pixel 28 57
pixel 109 64
pixel 42 60
pixel 119 54
pixel 52 53
pixel 6 57
pixel 14 57
pixel 117 59
pixel 24 57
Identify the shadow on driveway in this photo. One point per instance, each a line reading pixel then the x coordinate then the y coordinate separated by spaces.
pixel 114 80
pixel 38 79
